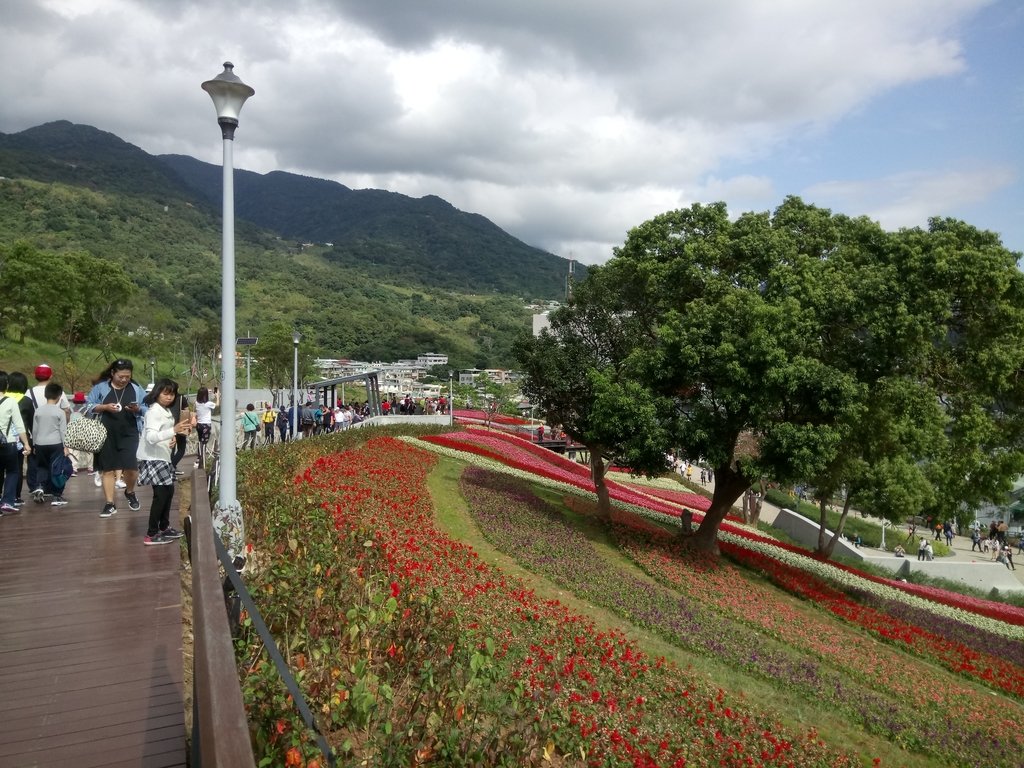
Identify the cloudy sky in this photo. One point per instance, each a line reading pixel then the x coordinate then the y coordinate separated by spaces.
pixel 566 122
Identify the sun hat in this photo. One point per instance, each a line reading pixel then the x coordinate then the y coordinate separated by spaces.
pixel 79 398
pixel 43 372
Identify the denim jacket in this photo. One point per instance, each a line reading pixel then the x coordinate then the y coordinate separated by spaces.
pixel 101 390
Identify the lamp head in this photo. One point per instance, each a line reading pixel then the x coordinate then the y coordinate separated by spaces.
pixel 228 93
pixel 295 337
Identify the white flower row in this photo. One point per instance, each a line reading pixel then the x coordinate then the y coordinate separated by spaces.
pixel 845 579
pixel 826 571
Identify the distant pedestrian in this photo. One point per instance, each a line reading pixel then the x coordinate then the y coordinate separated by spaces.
pixel 268 419
pixel 204 420
pixel 922 548
pixel 975 540
pixel 250 427
pixel 284 424
pixel 947 531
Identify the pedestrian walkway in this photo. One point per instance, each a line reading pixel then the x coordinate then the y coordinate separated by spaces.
pixel 961 544
pixel 90 637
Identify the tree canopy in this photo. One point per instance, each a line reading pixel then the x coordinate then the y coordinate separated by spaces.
pixel 802 346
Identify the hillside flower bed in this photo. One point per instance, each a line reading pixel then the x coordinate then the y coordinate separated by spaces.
pixel 820 659
pixel 998 618
pixel 413 652
pixel 522 455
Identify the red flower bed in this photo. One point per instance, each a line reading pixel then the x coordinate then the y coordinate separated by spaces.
pixel 529 457
pixel 520 454
pixel 587 691
pixel 957 656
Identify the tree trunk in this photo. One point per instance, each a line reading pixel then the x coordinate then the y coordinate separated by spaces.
pixel 823 507
pixel 597 471
pixel 826 551
pixel 729 484
pixel 755 512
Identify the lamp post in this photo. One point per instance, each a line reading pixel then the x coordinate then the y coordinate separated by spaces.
pixel 229 94
pixel 295 387
pixel 152 371
pixel 451 404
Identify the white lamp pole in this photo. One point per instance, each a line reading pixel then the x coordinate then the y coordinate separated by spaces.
pixel 295 387
pixel 451 403
pixel 229 94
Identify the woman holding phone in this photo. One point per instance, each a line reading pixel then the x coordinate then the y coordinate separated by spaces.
pixel 118 401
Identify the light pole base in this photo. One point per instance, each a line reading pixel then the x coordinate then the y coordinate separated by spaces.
pixel 230 527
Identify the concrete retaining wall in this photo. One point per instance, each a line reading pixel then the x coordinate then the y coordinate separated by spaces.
pixel 805 531
pixel 980 574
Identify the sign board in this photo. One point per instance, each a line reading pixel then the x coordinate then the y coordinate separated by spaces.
pixel 247 341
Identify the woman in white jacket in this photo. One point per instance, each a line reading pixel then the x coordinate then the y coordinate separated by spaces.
pixel 154 455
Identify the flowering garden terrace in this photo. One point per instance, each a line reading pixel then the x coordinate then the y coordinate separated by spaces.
pixel 453 599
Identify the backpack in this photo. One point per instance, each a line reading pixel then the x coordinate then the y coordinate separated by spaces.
pixel 307 417
pixel 61 470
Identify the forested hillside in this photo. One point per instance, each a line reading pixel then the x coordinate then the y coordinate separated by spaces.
pixel 400 280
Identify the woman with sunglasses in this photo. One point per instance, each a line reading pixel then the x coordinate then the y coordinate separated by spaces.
pixel 118 402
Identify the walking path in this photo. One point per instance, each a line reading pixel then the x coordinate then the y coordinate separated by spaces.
pixel 961 544
pixel 91 662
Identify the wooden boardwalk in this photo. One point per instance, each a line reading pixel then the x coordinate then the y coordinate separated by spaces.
pixel 90 636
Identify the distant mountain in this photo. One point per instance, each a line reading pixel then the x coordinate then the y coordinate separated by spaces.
pixel 425 240
pixel 413 241
pixel 85 156
pixel 400 276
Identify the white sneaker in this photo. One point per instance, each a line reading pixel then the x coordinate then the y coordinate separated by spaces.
pixel 97 478
pixel 120 484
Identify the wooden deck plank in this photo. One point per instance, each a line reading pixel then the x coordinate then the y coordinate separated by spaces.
pixel 90 637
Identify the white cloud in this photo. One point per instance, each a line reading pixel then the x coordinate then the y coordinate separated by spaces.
pixel 910 199
pixel 566 123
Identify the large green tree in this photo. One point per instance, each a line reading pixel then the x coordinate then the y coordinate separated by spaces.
pixel 575 373
pixel 732 339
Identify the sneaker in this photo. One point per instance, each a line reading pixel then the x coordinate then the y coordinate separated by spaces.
pixel 8 508
pixel 156 538
pixel 37 495
pixel 98 479
pixel 120 484
pixel 108 510
pixel 171 533
pixel 19 501
pixel 59 502
pixel 133 502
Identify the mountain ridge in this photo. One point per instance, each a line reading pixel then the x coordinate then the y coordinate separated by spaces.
pixel 386 276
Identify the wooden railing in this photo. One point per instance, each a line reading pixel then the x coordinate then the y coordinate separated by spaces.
pixel 220 729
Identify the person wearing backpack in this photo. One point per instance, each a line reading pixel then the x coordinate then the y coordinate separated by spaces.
pixel 284 424
pixel 14 446
pixel 50 428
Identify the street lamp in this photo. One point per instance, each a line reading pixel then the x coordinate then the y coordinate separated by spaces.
pixel 229 94
pixel 152 371
pixel 451 405
pixel 295 387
